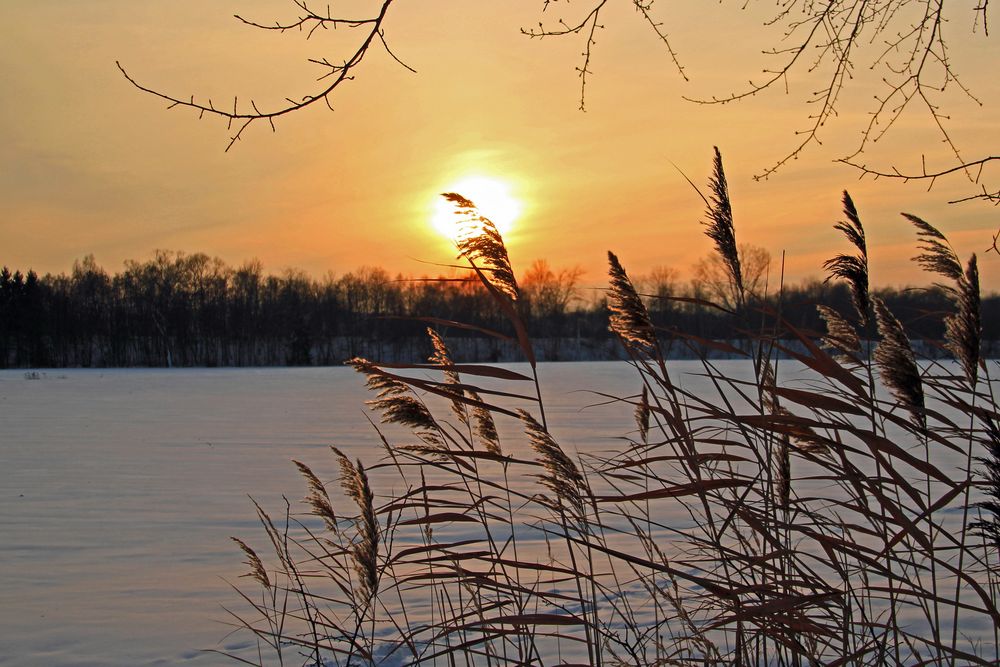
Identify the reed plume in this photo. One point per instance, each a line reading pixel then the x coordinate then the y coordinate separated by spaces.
pixel 364 553
pixel 783 472
pixel 482 419
pixel 897 364
pixel 485 427
pixel 841 336
pixel 375 380
pixel 480 241
pixel 397 403
pixel 936 255
pixel 963 329
pixel 642 412
pixel 628 318
pixel 720 227
pixel 769 400
pixel 802 436
pixel 253 561
pixel 318 498
pixel 853 269
pixel 442 357
pixel 562 476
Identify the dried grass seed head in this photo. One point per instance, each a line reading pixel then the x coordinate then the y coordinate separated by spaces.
pixel 349 481
pixel 441 356
pixel 720 226
pixel 485 426
pixel 396 401
pixel 642 413
pixel 255 564
pixel 366 551
pixel 783 472
pixel 853 269
pixel 803 436
pixel 481 243
pixel 897 364
pixel 354 481
pixel 409 411
pixel 628 318
pixel 768 398
pixel 841 336
pixel 318 498
pixel 936 255
pixel 561 475
pixel 377 381
pixel 964 329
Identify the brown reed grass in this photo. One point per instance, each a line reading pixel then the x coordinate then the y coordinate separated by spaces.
pixel 853 269
pixel 628 318
pixel 481 242
pixel 354 481
pixel 720 227
pixel 766 522
pixel 898 365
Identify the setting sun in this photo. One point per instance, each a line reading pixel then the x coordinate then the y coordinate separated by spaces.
pixel 491 196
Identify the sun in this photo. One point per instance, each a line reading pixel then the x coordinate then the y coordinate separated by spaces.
pixel 491 196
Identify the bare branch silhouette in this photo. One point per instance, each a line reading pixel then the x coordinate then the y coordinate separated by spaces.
pixel 973 170
pixel 242 117
pixel 828 42
pixel 913 60
pixel 589 26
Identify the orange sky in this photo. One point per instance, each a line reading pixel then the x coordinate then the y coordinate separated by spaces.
pixel 90 165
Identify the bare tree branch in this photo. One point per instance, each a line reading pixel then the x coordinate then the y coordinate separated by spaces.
pixel 824 40
pixel 973 170
pixel 309 20
pixel 243 117
pixel 913 58
pixel 589 26
pixel 828 41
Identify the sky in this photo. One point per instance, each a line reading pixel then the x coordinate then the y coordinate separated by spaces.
pixel 90 165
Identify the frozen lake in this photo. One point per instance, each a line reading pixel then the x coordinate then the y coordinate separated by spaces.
pixel 119 490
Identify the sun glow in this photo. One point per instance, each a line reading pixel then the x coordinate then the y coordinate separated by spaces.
pixel 491 196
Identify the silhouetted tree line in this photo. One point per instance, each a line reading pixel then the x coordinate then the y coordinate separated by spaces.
pixel 194 310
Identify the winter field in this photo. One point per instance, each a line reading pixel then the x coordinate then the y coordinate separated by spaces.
pixel 120 489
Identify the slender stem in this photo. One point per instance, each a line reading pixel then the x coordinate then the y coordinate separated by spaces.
pixel 965 524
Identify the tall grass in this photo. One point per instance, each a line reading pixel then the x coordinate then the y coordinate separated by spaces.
pixel 817 526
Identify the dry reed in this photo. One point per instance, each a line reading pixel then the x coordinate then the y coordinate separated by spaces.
pixel 853 269
pixel 354 481
pixel 898 365
pixel 628 318
pixel 803 528
pixel 480 241
pixel 720 227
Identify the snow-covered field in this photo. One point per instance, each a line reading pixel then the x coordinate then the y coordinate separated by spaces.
pixel 119 490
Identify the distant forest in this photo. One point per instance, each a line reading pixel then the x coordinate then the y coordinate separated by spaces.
pixel 193 310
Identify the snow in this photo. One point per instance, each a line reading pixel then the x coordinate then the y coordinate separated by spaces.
pixel 119 490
